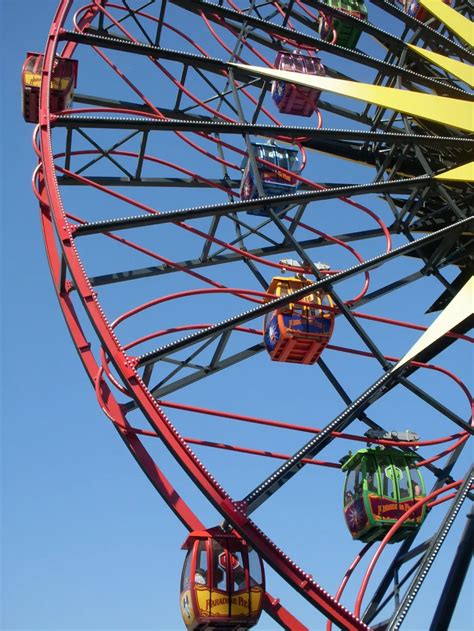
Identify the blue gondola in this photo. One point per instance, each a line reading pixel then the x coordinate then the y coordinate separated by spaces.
pixel 275 181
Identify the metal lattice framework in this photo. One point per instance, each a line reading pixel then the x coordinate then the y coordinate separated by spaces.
pixel 138 186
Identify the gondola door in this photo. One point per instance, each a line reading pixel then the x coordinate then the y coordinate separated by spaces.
pixel 187 600
pixel 354 506
pixel 246 584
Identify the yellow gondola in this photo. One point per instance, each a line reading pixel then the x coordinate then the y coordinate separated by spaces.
pixel 61 91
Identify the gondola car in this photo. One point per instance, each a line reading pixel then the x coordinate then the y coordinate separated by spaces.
pixel 296 99
pixel 413 8
pixel 275 181
pixel 347 35
pixel 61 92
pixel 222 582
pixel 381 485
pixel 299 332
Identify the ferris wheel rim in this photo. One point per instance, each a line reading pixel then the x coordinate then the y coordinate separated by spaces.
pixel 212 490
pixel 123 363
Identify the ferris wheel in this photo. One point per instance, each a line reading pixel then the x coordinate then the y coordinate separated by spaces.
pixel 258 218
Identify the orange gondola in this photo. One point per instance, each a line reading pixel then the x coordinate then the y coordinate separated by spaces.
pixel 222 583
pixel 63 82
pixel 299 332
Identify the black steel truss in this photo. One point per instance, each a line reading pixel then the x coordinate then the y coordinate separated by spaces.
pixel 261 310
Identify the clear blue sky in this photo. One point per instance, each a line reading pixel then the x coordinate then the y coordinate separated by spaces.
pixel 87 544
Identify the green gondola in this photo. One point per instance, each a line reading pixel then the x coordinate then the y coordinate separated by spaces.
pixel 381 485
pixel 346 34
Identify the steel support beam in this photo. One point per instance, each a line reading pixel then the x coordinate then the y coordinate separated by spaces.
pixel 455 579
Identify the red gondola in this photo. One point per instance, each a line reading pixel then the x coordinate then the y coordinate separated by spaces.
pixel 299 332
pixel 413 8
pixel 63 82
pixel 291 98
pixel 222 583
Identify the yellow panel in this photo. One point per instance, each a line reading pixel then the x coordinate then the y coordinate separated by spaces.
pixel 464 173
pixel 441 109
pixel 455 22
pixel 187 610
pixel 457 311
pixel 217 603
pixel 32 79
pixel 203 598
pixel 462 71
pixel 255 600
